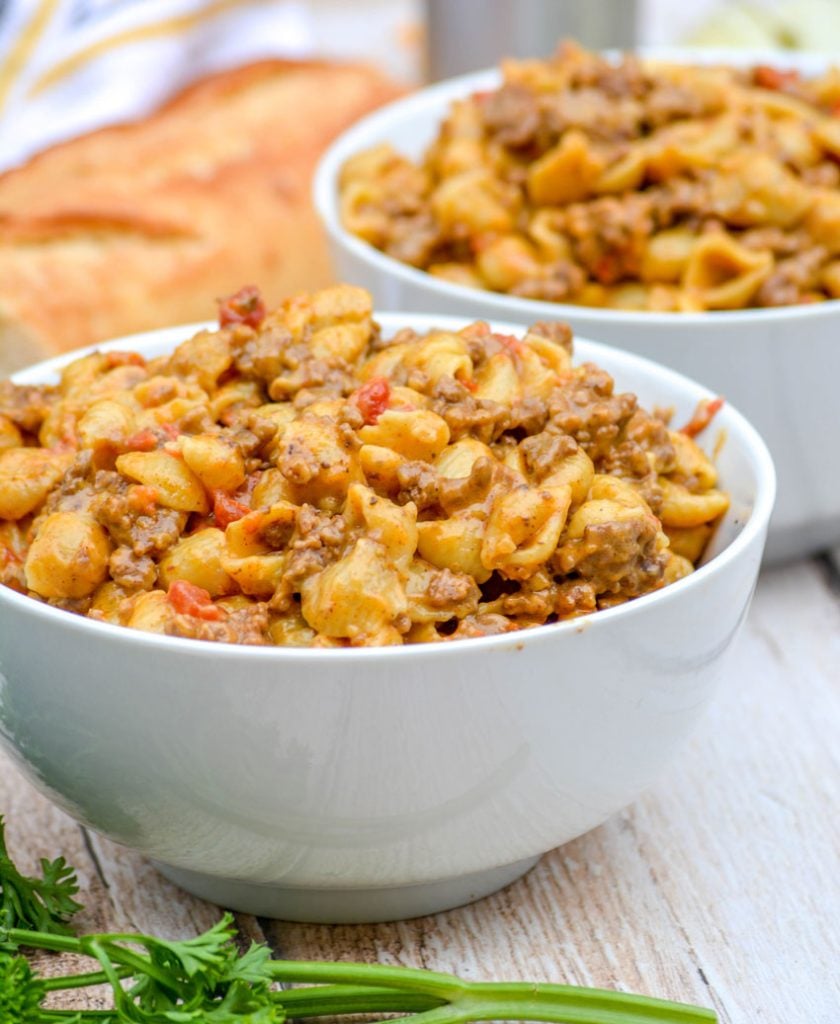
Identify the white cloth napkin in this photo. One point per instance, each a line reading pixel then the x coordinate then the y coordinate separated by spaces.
pixel 68 66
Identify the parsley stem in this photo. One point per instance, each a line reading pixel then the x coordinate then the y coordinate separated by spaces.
pixel 445 987
pixel 41 940
pixel 564 1004
pixel 480 1001
pixel 61 982
pixel 76 1016
pixel 325 1000
pixel 120 956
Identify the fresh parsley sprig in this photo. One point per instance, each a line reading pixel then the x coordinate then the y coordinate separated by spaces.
pixel 43 904
pixel 206 980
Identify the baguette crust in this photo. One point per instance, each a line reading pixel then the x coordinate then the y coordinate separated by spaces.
pixel 142 225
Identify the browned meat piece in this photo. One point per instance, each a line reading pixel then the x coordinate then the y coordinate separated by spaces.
pixel 464 414
pixel 779 242
pixel 488 624
pixel 449 589
pixel 553 330
pixel 317 542
pixel 413 239
pixel 261 355
pixel 668 102
pixel 574 597
pixel 603 118
pixel 680 199
pixel 511 115
pixel 146 529
pixel 242 626
pixel 544 451
pixel 419 482
pixel 792 279
pixel 586 409
pixel 609 235
pixel 134 572
pixel 618 557
pixel 25 404
pixel 561 282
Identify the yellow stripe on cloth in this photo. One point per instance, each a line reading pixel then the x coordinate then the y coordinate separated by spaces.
pixel 25 44
pixel 170 26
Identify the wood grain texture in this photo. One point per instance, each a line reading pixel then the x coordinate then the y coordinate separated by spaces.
pixel 719 886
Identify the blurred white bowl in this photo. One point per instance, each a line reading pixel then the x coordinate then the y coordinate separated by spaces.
pixel 379 783
pixel 779 366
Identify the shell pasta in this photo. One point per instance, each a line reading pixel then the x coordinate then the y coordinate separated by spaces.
pixel 294 478
pixel 632 184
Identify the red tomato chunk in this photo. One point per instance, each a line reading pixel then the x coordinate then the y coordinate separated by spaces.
pixel 227 510
pixel 243 307
pixel 372 398
pixel 188 599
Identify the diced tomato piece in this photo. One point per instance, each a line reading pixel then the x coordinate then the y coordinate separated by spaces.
pixel 468 383
pixel 767 77
pixel 143 441
pixel 188 599
pixel 372 398
pixel 479 242
pixel 143 498
pixel 227 510
pixel 113 359
pixel 244 307
pixel 703 416
pixel 509 342
pixel 606 269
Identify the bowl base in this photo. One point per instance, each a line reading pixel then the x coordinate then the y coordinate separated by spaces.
pixel 346 906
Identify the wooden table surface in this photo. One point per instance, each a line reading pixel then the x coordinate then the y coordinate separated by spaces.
pixel 721 886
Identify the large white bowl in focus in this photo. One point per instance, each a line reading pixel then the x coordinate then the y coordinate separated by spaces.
pixel 780 366
pixel 379 783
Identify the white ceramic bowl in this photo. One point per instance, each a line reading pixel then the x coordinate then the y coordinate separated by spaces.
pixel 780 367
pixel 378 783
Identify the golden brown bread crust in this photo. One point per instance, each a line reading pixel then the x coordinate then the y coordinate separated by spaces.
pixel 145 224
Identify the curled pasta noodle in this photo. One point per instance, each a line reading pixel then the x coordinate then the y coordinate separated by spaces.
pixel 721 274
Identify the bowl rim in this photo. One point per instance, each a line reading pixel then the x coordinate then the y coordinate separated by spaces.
pixel 371 128
pixel 731 420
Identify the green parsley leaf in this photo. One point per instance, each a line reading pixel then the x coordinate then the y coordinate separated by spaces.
pixel 21 993
pixel 43 904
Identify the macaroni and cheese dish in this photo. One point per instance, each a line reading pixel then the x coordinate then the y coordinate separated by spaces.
pixel 295 478
pixel 633 185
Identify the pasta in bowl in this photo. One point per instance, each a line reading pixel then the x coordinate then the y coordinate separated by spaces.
pixel 295 478
pixel 373 778
pixel 630 184
pixel 671 204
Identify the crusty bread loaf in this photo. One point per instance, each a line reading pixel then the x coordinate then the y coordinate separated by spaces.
pixel 145 224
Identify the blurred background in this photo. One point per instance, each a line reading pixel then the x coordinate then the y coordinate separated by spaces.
pixel 215 113
pixel 424 40
pixel 67 66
